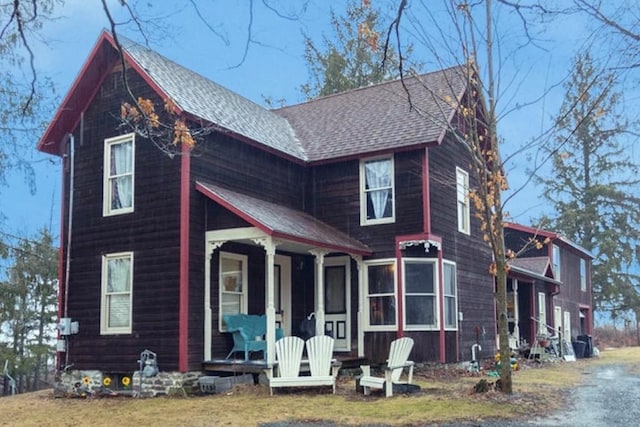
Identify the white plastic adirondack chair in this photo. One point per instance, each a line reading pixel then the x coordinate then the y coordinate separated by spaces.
pixel 288 356
pixel 398 355
pixel 320 353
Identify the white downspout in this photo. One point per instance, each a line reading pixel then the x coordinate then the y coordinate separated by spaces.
pixel 68 245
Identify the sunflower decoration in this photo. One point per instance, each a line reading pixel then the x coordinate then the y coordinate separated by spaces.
pixel 86 380
pixel 126 381
pixel 106 381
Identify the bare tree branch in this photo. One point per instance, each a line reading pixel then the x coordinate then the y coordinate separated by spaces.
pixel 596 12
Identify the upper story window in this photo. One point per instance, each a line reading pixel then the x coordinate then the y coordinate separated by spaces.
pixel 377 195
pixel 555 252
pixel 119 161
pixel 583 275
pixel 116 306
pixel 462 195
pixel 381 294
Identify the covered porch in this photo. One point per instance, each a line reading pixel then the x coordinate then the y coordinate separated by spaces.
pixel 264 258
pixel 530 290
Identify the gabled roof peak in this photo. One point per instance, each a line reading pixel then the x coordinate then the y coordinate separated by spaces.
pixel 354 123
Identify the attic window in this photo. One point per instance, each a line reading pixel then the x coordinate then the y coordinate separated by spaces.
pixel 377 194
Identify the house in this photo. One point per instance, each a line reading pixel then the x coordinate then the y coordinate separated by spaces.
pixel 549 286
pixel 350 211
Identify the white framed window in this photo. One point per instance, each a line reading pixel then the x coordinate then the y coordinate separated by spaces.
pixel 117 285
pixel 420 293
pixel 566 331
pixel 450 295
pixel 583 275
pixel 542 313
pixel 462 196
pixel 118 186
pixel 233 285
pixel 377 193
pixel 555 253
pixel 380 295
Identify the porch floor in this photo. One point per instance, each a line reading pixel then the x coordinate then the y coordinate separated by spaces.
pixel 256 366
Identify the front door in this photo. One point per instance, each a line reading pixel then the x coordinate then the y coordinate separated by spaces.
pixel 282 292
pixel 337 279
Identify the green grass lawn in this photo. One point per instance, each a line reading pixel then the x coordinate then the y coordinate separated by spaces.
pixel 445 395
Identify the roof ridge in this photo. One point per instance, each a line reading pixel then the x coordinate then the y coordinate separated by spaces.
pixel 370 86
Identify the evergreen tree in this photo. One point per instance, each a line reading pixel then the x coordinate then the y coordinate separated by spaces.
pixel 594 186
pixel 28 310
pixel 354 57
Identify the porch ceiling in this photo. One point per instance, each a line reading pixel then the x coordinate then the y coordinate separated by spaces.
pixel 283 222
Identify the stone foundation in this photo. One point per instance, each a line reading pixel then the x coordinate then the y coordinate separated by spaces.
pixel 87 383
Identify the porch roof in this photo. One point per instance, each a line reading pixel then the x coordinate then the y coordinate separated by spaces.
pixel 535 268
pixel 283 222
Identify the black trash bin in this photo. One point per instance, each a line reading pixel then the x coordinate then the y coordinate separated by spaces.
pixel 578 348
pixel 588 349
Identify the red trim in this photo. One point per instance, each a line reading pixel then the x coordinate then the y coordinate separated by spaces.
pixel 530 230
pixel 82 91
pixel 442 344
pixel 426 201
pixel 183 328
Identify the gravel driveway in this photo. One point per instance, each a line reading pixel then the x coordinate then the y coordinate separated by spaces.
pixel 610 396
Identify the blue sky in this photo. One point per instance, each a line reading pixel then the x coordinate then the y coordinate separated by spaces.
pixel 274 67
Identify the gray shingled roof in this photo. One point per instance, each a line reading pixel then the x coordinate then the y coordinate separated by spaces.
pixel 378 117
pixel 534 267
pixel 356 122
pixel 282 221
pixel 208 100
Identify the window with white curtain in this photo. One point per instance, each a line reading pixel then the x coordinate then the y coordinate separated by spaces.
pixel 462 196
pixel 119 161
pixel 117 283
pixel 377 202
pixel 583 275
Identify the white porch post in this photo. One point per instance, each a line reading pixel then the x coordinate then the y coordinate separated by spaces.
pixel 361 313
pixel 210 246
pixel 516 313
pixel 319 255
pixel 270 248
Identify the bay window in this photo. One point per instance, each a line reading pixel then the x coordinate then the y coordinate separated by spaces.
pixel 380 295
pixel 450 296
pixel 420 285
